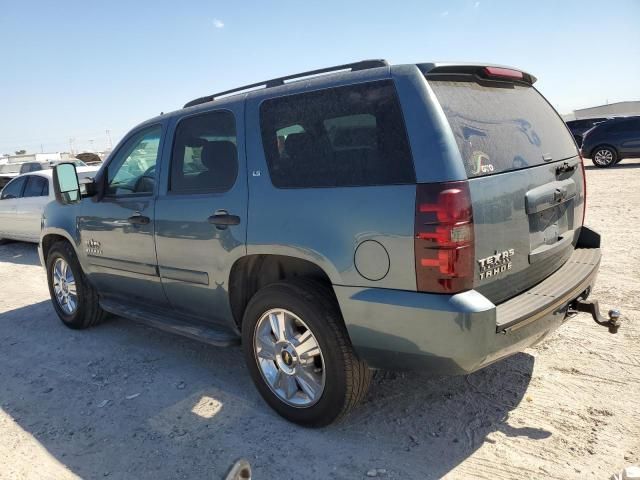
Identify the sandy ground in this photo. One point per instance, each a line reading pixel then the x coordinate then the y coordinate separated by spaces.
pixel 126 401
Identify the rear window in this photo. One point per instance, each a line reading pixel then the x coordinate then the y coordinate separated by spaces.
pixel 36 187
pixel 205 158
pixel 344 136
pixel 632 125
pixel 502 129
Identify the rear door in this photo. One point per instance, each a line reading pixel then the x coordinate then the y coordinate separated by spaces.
pixel 201 213
pixel 630 138
pixel 525 178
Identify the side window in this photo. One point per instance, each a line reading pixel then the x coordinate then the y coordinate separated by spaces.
pixel 36 187
pixel 133 169
pixel 631 125
pixel 204 157
pixel 344 136
pixel 13 189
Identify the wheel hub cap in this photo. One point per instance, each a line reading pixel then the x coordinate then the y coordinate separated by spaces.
pixel 64 286
pixel 289 358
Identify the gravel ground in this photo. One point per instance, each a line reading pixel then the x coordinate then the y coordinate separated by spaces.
pixel 126 401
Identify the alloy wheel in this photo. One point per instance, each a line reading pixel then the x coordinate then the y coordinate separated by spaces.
pixel 64 286
pixel 603 157
pixel 289 358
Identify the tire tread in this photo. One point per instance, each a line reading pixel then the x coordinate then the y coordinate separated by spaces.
pixel 356 372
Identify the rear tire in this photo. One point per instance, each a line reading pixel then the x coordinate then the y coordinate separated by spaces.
pixel 308 312
pixel 74 298
pixel 604 157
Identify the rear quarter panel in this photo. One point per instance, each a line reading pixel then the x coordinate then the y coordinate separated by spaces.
pixel 326 225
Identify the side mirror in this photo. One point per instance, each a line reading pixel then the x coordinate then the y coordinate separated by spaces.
pixel 65 183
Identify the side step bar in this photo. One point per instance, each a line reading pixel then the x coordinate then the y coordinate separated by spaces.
pixel 211 334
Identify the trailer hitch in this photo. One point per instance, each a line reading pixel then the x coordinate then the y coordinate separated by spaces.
pixel 592 307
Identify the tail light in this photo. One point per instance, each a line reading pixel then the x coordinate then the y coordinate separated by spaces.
pixel 584 188
pixel 443 245
pixel 503 73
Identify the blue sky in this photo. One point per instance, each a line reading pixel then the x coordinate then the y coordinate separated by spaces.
pixel 73 69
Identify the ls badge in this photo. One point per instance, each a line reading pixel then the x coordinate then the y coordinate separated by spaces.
pixel 496 264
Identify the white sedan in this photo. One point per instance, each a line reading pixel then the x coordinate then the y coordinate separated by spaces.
pixel 22 201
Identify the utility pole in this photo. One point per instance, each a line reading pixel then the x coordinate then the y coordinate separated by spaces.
pixel 71 140
pixel 41 149
pixel 109 138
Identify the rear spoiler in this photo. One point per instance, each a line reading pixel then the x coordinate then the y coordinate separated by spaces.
pixel 478 72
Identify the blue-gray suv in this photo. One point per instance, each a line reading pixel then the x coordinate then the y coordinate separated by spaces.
pixel 366 216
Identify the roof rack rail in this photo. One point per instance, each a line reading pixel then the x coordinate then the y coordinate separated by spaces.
pixel 361 65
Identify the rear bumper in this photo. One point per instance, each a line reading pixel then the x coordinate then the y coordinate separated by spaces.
pixel 458 334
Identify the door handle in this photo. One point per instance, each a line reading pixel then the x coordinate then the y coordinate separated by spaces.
pixel 223 220
pixel 139 220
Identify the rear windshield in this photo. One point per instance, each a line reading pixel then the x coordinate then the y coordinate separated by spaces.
pixel 502 129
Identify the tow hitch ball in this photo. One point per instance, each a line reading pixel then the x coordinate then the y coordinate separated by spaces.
pixel 592 307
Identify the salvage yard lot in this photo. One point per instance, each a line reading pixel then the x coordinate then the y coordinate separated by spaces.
pixel 125 401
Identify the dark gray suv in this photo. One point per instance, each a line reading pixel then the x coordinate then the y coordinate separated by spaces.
pixel 366 216
pixel 612 141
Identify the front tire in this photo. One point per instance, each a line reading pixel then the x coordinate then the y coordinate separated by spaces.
pixel 604 157
pixel 299 354
pixel 74 298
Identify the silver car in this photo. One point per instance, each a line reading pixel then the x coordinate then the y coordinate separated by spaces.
pixel 22 202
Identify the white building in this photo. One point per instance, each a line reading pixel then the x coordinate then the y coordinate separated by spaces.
pixel 33 157
pixel 618 109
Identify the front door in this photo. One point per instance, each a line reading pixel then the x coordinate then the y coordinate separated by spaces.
pixel 201 213
pixel 9 224
pixel 30 206
pixel 117 232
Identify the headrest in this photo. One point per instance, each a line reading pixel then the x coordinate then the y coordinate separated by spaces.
pixel 298 144
pixel 221 160
pixel 355 137
pixel 219 156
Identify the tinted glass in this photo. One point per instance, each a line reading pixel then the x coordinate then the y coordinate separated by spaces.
pixel 345 136
pixel 204 158
pixel 502 129
pixel 36 187
pixel 579 123
pixel 133 169
pixel 30 167
pixel 13 189
pixel 631 125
